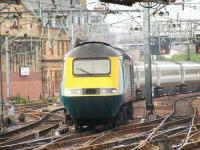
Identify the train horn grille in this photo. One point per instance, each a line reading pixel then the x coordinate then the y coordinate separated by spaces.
pixel 90 91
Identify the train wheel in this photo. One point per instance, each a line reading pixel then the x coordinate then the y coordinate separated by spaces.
pixel 125 113
pixel 78 127
pixel 112 123
pixel 91 127
pixel 131 113
pixel 130 116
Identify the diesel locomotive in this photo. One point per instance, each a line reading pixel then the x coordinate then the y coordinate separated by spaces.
pixel 100 82
pixel 94 87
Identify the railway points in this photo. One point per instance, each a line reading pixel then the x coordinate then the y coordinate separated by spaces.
pixel 73 78
pixel 176 123
pixel 179 124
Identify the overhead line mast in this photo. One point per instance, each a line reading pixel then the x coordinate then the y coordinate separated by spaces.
pixel 149 107
pixel 147 61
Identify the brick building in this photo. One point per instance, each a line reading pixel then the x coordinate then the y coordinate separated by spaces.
pixel 23 31
pixel 55 45
pixel 34 46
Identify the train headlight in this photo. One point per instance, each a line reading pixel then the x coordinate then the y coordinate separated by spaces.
pixel 67 92
pixel 108 91
pixel 73 92
pixel 114 90
pixel 78 91
pixel 103 91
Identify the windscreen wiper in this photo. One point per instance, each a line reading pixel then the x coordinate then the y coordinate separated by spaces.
pixel 84 71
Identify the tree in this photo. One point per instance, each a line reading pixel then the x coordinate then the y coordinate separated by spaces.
pixel 182 57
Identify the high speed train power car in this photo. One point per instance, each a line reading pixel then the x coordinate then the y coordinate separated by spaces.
pixel 93 86
pixel 100 82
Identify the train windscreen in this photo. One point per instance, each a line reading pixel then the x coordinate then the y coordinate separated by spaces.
pixel 91 67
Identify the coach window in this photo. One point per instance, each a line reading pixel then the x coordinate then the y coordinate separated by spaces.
pixel 187 72
pixel 162 72
pixel 196 71
pixel 192 71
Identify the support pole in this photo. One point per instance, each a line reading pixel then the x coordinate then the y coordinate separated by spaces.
pixel 40 9
pixel 72 25
pixel 147 62
pixel 1 86
pixel 188 50
pixel 7 69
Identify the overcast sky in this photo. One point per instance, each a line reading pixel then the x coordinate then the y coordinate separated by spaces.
pixel 191 10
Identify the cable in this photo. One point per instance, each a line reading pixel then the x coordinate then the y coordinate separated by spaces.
pixel 56 38
pixel 33 10
pixel 149 5
pixel 66 30
pixel 16 37
pixel 124 20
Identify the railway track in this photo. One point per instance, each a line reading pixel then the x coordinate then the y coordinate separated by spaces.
pixel 36 130
pixel 179 123
pixel 33 107
pixel 32 112
pixel 169 127
pixel 162 105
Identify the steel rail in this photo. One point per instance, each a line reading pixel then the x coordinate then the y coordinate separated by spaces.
pixel 29 126
pixel 191 126
pixel 143 143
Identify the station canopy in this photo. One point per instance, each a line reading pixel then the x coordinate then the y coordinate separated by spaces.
pixel 131 2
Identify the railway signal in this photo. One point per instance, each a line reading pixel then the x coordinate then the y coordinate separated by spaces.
pixel 155 46
pixel 164 45
pixel 197 47
pixel 197 43
pixel 160 45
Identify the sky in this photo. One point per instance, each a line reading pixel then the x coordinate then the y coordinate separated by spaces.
pixel 191 11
